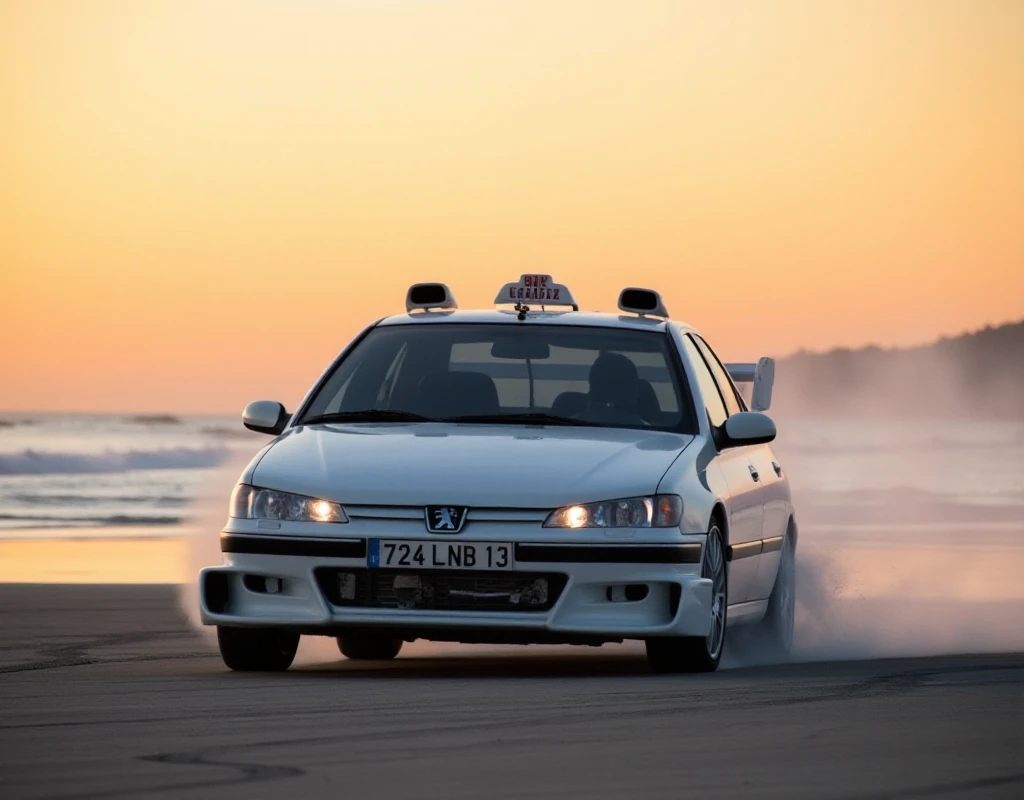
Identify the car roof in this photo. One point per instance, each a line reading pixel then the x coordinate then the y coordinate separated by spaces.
pixel 591 319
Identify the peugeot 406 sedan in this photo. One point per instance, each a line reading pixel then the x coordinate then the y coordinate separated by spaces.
pixel 526 474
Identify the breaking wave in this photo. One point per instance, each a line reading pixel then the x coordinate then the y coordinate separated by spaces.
pixel 80 500
pixel 221 432
pixel 33 462
pixel 8 521
pixel 156 419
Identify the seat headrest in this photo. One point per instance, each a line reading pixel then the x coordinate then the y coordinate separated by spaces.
pixel 613 381
pixel 456 394
pixel 568 404
pixel 647 405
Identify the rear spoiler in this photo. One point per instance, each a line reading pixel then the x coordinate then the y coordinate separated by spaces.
pixel 762 375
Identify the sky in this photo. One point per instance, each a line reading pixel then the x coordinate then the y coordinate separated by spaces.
pixel 202 202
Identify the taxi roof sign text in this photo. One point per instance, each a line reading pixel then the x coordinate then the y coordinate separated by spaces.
pixel 539 289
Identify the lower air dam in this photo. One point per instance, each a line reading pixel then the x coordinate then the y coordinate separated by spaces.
pixel 438 590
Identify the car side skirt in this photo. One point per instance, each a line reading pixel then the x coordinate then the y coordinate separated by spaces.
pixel 748 549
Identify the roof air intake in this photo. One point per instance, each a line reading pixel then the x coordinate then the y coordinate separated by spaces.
pixel 429 295
pixel 642 301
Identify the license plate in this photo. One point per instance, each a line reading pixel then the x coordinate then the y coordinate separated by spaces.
pixel 398 554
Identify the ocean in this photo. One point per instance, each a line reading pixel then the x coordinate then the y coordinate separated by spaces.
pixel 103 476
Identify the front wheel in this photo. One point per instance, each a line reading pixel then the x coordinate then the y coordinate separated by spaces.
pixel 698 653
pixel 257 649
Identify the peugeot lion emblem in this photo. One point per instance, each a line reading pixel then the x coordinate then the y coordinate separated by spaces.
pixel 445 519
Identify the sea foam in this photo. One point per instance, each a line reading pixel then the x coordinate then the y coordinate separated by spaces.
pixel 34 462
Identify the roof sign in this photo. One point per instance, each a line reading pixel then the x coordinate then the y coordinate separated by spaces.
pixel 539 289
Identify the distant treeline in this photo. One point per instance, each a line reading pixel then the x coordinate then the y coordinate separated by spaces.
pixel 974 375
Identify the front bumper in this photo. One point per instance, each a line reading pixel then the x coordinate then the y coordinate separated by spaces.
pixel 677 600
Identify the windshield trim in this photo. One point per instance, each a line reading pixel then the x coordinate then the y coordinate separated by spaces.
pixel 687 417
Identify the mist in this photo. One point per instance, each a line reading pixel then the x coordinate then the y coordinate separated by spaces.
pixel 907 474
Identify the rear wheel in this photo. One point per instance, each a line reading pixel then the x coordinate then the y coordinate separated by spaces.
pixel 369 648
pixel 698 653
pixel 257 649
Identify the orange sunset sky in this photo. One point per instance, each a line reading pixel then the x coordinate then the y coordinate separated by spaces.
pixel 201 202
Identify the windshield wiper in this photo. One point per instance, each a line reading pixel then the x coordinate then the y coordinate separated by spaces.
pixel 368 415
pixel 528 418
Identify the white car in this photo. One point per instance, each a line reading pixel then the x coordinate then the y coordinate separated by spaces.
pixel 530 474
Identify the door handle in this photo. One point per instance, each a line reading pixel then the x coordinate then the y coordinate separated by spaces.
pixel 753 473
pixel 777 468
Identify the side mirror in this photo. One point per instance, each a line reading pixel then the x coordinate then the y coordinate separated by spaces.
pixel 747 427
pixel 265 416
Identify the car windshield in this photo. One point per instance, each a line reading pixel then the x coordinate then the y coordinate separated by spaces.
pixel 506 374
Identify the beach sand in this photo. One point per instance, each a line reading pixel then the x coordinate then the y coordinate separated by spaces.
pixel 108 693
pixel 129 558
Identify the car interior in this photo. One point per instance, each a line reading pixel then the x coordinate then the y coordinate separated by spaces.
pixel 508 375
pixel 616 395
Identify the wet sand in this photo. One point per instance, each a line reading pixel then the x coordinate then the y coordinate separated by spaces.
pixel 106 692
pixel 66 558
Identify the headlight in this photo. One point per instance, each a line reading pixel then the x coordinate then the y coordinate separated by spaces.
pixel 252 502
pixel 656 511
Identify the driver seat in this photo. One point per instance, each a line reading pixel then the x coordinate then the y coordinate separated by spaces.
pixel 457 394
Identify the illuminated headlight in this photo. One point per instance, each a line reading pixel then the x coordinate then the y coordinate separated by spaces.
pixel 656 511
pixel 252 502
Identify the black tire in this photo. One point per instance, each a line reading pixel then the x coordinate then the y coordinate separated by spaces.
pixel 775 631
pixel 369 648
pixel 699 653
pixel 257 649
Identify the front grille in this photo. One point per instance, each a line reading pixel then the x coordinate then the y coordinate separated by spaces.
pixel 442 590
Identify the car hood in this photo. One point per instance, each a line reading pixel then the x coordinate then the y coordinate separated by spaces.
pixel 512 466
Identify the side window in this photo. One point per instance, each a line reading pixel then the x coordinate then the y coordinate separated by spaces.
pixel 708 387
pixel 732 401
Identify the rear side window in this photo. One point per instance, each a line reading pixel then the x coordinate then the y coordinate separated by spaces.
pixel 708 388
pixel 732 400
